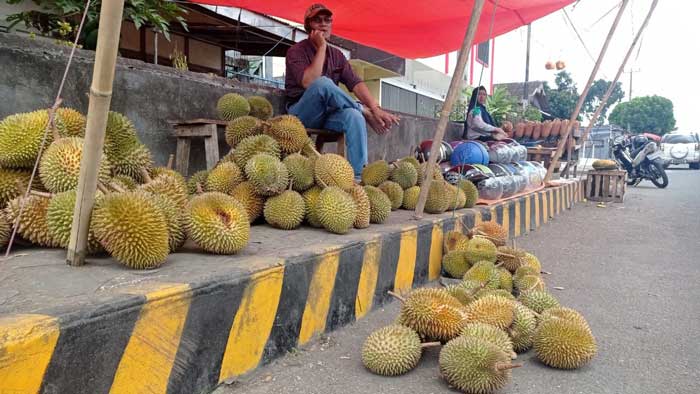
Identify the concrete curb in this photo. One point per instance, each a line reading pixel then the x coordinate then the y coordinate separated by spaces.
pixel 190 337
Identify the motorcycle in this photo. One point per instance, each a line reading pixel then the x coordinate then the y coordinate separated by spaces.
pixel 642 160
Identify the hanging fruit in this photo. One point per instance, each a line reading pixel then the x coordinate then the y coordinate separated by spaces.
pixel 549 66
pixel 561 65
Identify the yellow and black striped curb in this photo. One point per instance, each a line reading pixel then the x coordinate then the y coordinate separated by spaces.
pixel 189 337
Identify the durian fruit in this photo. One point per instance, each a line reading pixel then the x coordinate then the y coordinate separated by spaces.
pixel 510 258
pixel 485 273
pixel 437 201
pixel 456 197
pixel 253 145
pixel 490 334
pixel 362 216
pixel 20 138
pixel 414 162
pixel 532 261
pixel 472 285
pixel 481 249
pixel 404 174
pixel 5 230
pixel 335 210
pixel 242 127
pixel 218 223
pixel 522 330
pixel 120 135
pixel 169 186
pixel 175 219
pixel 333 170
pixel 199 177
pixel 602 165
pixel 260 107
pixel 455 263
pixel 379 204
pixel 471 193
pixel 436 175
pixel 410 197
pixel 245 194
pixel 59 220
pixel 167 171
pixel 32 224
pixel 132 228
pixel 537 300
pixel 310 198
pixel 524 270
pixel 474 365
pixel 564 343
pixel 69 122
pixel 494 292
pixel 301 171
pixel 131 162
pixel 493 231
pixel 561 312
pixel 375 173
pixel 231 106
pixel 285 211
pixel 224 178
pixel 454 240
pixel 462 293
pixel 433 313
pixel 391 350
pixel 395 193
pixel 492 309
pixel 529 283
pixel 289 132
pixel 124 182
pixel 59 167
pixel 505 279
pixel 267 174
pixel 10 182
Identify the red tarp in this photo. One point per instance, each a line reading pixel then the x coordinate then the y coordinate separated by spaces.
pixel 408 28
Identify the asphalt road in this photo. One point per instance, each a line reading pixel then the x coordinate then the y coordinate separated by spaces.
pixel 632 269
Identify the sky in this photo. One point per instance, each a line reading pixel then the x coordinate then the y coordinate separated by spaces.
pixel 665 65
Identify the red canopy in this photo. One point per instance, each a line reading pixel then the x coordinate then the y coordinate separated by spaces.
pixel 408 28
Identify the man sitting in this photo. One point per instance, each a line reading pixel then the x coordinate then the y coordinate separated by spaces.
pixel 313 70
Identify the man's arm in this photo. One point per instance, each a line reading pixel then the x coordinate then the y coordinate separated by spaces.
pixel 315 69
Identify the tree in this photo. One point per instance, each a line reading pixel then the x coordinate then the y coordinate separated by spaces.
pixel 648 114
pixel 562 100
pixel 595 96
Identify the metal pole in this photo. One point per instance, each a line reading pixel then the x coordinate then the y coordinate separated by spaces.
pixel 100 98
pixel 564 137
pixel 527 62
pixel 447 106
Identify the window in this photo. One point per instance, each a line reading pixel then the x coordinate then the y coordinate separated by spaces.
pixel 678 139
pixel 482 53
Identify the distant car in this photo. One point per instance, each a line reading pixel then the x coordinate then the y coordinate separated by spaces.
pixel 681 148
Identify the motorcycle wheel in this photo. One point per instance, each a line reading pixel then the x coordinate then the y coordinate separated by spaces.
pixel 660 178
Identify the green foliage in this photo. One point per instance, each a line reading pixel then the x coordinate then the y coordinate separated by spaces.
pixel 501 105
pixel 595 97
pixel 562 100
pixel 650 114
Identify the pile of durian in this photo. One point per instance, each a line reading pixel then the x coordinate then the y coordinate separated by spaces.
pixel 498 309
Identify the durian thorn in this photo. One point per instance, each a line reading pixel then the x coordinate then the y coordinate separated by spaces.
pixel 146 176
pixel 171 161
pixel 199 188
pixel 116 187
pixel 504 366
pixel 429 344
pixel 397 296
pixel 40 194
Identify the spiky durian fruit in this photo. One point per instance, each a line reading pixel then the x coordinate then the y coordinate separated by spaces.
pixel 456 197
pixel 490 334
pixel 124 182
pixel 168 186
pixel 564 343
pixel 336 210
pixel 32 223
pixel 242 127
pixel 475 365
pixel 375 173
pixel 437 201
pixel 410 197
pixel 462 293
pixel 165 171
pixel 404 174
pixel 285 211
pixel 13 183
pixel 289 132
pixel 493 231
pixel 524 270
pixel 455 263
pixel 333 170
pixel 224 178
pixel 131 162
pixel 132 228
pixel 59 220
pixel 522 330
pixel 529 283
pixel 561 312
pixel 20 138
pixel 604 165
pixel 454 240
pixel 244 193
pixel 301 171
pixel 494 292
pixel 481 249
pixel 260 107
pixel 174 218
pixel 253 145
pixel 199 177
pixel 433 313
pixel 70 123
pixel 471 193
pixel 362 217
pixel 492 309
pixel 532 261
pixel 5 230
pixel 510 258
pixel 267 174
pixel 379 204
pixel 485 273
pixel 537 300
pixel 310 198
pixel 59 167
pixel 505 280
pixel 391 350
pixel 218 223
pixel 436 175
pixel 395 193
pixel 231 106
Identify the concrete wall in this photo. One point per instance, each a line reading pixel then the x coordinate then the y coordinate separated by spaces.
pixel 150 95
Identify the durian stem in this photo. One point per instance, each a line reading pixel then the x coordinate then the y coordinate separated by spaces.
pixel 52 120
pixel 171 161
pixel 429 344
pixel 505 255
pixel 116 187
pixel 484 235
pixel 199 188
pixel 398 297
pixel 505 366
pixel 313 149
pixel 101 187
pixel 40 194
pixel 146 176
pixel 323 184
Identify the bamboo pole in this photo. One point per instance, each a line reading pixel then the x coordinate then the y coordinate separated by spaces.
pixel 584 137
pixel 447 106
pixel 100 98
pixel 563 138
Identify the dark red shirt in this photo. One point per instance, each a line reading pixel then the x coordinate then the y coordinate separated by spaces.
pixel 300 56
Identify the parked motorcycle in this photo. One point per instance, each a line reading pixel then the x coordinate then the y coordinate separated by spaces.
pixel 642 160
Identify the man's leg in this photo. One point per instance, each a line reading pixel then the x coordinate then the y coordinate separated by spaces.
pixel 351 122
pixel 320 99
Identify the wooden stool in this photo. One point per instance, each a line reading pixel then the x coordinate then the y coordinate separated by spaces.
pixel 186 131
pixel 323 136
pixel 606 186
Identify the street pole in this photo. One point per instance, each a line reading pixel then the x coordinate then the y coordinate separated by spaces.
pixel 527 63
pixel 447 106
pixel 98 107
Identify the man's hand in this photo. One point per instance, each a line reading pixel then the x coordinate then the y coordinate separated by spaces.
pixel 384 120
pixel 316 38
pixel 499 134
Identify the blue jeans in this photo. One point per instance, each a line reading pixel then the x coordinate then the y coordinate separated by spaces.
pixel 325 106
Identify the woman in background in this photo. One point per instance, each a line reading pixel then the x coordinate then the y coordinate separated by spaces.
pixel 479 124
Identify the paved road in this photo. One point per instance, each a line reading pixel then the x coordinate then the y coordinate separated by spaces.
pixel 632 269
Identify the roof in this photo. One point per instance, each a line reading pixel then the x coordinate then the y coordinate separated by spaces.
pixel 515 89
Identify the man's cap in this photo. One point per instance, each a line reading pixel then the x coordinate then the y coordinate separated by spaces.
pixel 316 9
